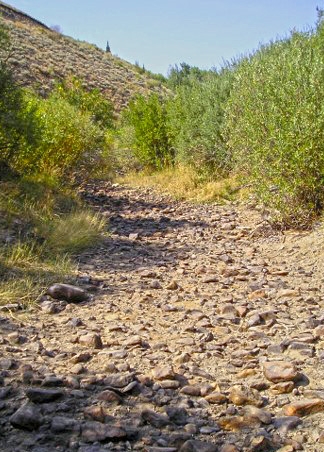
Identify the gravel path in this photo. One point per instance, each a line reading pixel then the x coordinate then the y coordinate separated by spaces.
pixel 203 331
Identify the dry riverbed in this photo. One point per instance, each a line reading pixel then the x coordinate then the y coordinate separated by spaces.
pixel 203 331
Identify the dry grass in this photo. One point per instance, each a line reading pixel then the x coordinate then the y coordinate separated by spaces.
pixel 184 183
pixel 41 228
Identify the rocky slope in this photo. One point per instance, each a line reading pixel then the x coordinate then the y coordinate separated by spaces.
pixel 41 56
pixel 203 331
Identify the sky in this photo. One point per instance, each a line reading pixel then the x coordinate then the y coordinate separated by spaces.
pixel 161 33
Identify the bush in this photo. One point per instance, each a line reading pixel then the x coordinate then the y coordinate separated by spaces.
pixel 275 124
pixel 92 101
pixel 195 120
pixel 18 127
pixel 71 143
pixel 147 119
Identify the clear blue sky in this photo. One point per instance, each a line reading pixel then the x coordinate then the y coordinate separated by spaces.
pixel 160 33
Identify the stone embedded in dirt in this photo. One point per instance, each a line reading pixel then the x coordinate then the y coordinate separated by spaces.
pixel 216 398
pixel 93 431
pixel 262 415
pixel 178 416
pixel 155 284
pixel 38 395
pixel 133 340
pixel 242 395
pixel 169 384
pixel 119 380
pixel 278 371
pixel 109 397
pixel 173 285
pixel 7 363
pixel 284 387
pixel 237 423
pixel 4 392
pixel 97 413
pixel 67 292
pixel 27 417
pixel 286 424
pixel 304 407
pixel 192 390
pixel 81 358
pixel 163 373
pixel 53 381
pixel 156 419
pixel 229 448
pixel 92 340
pixel 62 424
pixel 198 446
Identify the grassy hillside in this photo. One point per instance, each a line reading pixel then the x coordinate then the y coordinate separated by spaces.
pixel 40 56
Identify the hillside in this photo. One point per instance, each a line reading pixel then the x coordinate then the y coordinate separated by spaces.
pixel 40 56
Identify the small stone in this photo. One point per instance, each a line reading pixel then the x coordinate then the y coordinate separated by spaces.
pixel 173 285
pixel 216 398
pixel 191 390
pixel 304 407
pixel 177 415
pixel 163 373
pixel 119 380
pixel 262 415
pixel 93 431
pixel 96 413
pixel 283 388
pixel 110 397
pixel 81 358
pixel 278 371
pixel 242 395
pixel 27 417
pixel 198 446
pixel 169 384
pixel 92 340
pixel 62 424
pixel 286 424
pixel 38 395
pixel 156 419
pixel 67 292
pixel 229 448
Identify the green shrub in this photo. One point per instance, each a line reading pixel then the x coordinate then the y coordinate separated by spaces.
pixel 91 101
pixel 147 118
pixel 70 143
pixel 275 124
pixel 195 120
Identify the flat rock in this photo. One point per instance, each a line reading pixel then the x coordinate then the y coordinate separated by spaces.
pixel 198 446
pixel 93 431
pixel 163 373
pixel 242 395
pixel 38 395
pixel 278 371
pixel 304 407
pixel 156 419
pixel 62 424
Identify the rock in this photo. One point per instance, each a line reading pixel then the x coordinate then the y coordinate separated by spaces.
pixel 156 419
pixel 66 292
pixel 173 285
pixel 216 398
pixel 163 373
pixel 119 380
pixel 229 448
pixel 62 424
pixel 191 390
pixel 96 413
pixel 27 417
pixel 110 397
pixel 198 446
pixel 304 407
pixel 242 395
pixel 177 415
pixel 92 340
pixel 262 415
pixel 283 388
pixel 38 395
pixel 93 431
pixel 169 384
pixel 278 371
pixel 286 424
pixel 81 358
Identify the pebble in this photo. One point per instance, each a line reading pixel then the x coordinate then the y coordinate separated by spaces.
pixel 27 417
pixel 278 371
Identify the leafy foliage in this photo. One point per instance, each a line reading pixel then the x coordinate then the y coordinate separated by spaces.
pixel 148 119
pixel 275 124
